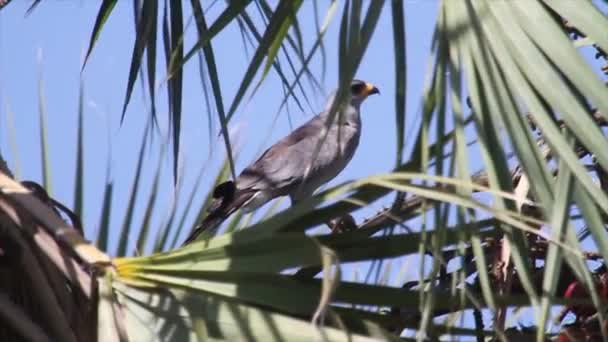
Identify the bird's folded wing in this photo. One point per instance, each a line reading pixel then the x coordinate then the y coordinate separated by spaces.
pixel 285 163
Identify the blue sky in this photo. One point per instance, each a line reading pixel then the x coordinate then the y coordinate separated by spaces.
pixel 49 44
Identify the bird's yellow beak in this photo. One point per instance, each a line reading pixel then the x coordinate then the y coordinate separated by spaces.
pixel 370 89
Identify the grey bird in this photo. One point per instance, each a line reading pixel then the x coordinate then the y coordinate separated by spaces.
pixel 290 167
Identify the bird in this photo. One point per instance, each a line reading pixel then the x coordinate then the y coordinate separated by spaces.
pixel 295 166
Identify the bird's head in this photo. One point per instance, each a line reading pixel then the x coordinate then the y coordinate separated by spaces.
pixel 360 90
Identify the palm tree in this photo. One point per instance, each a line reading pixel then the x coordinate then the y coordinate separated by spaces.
pixel 511 75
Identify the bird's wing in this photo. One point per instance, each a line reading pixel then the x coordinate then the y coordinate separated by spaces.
pixel 284 164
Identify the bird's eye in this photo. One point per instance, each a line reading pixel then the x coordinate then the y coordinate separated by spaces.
pixel 357 88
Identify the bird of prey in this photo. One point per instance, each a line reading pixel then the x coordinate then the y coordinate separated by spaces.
pixel 312 155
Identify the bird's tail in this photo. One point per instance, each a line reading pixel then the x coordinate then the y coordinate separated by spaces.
pixel 226 200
